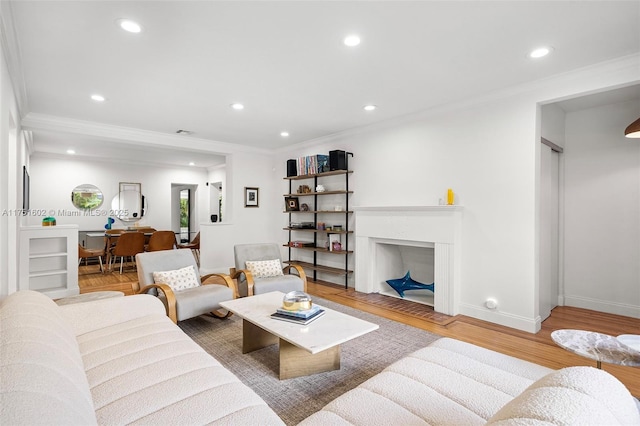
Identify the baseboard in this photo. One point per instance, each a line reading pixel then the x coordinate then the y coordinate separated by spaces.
pixel 609 307
pixel 530 325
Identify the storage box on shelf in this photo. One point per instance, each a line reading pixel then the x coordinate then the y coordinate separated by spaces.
pixel 301 228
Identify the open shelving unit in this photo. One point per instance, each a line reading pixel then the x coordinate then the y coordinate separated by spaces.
pixel 49 260
pixel 317 265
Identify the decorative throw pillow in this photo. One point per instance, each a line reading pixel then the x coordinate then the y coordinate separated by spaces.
pixel 178 280
pixel 264 268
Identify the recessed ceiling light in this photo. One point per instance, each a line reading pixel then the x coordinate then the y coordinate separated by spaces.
pixel 540 52
pixel 129 25
pixel 70 151
pixel 370 107
pixel 284 134
pixel 191 163
pixel 98 98
pixel 237 106
pixel 351 40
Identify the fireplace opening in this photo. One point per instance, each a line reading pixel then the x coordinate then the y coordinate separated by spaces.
pixel 394 260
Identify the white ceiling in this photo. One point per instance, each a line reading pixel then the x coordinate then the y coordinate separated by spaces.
pixel 286 63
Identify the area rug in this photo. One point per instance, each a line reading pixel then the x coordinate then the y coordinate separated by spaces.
pixel 295 399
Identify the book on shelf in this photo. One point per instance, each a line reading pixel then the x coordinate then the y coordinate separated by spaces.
pixel 296 320
pixel 299 314
pixel 312 164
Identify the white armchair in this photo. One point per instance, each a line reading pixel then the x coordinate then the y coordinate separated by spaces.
pixel 264 279
pixel 204 296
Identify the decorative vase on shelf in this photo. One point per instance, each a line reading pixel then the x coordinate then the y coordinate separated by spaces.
pixel 49 221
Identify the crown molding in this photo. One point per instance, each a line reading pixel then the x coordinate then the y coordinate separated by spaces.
pixel 133 136
pixel 133 162
pixel 599 77
pixel 11 52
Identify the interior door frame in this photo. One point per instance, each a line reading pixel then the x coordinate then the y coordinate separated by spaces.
pixel 556 227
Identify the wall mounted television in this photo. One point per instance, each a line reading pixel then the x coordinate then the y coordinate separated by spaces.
pixel 25 191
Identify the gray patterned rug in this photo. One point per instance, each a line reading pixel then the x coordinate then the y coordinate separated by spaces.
pixel 295 399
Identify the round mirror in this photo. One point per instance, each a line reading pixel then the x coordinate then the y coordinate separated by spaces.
pixel 127 211
pixel 86 197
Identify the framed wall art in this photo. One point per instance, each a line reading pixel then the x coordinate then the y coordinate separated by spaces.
pixel 250 197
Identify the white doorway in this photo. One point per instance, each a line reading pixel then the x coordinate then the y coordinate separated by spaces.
pixel 183 208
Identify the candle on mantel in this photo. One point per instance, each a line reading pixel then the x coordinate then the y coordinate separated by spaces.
pixel 450 196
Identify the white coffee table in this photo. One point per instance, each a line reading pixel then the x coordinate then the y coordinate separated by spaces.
pixel 304 349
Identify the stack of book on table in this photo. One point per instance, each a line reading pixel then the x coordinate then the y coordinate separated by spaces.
pixel 298 317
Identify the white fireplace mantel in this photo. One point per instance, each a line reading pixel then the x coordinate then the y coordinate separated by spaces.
pixel 408 208
pixel 436 226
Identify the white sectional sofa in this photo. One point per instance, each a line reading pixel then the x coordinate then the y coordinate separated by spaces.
pixel 122 361
pixel 110 362
pixel 455 383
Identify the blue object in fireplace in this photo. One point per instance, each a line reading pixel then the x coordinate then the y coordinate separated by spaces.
pixel 407 283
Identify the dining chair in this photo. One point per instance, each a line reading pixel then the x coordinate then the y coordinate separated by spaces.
pixel 128 245
pixel 86 254
pixel 110 238
pixel 194 246
pixel 161 240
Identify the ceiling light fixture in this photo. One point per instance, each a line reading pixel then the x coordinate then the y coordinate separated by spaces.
pixel 284 134
pixel 369 107
pixel 237 106
pixel 351 40
pixel 540 52
pixel 129 25
pixel 70 151
pixel 98 98
pixel 633 131
pixel 191 163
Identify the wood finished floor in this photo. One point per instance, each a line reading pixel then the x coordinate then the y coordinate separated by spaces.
pixel 538 348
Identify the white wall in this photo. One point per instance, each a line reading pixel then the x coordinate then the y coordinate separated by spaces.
pixel 553 124
pixel 486 155
pixel 243 224
pixel 602 205
pixel 13 155
pixel 53 179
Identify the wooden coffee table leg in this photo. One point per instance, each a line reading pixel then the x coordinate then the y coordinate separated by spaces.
pixel 296 362
pixel 254 338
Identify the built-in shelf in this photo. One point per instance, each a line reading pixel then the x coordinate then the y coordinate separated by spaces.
pixel 47 273
pixel 45 255
pixel 48 260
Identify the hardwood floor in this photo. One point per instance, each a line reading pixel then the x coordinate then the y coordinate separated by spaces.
pixel 538 348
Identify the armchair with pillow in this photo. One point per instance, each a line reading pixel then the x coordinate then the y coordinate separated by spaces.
pixel 173 276
pixel 258 269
